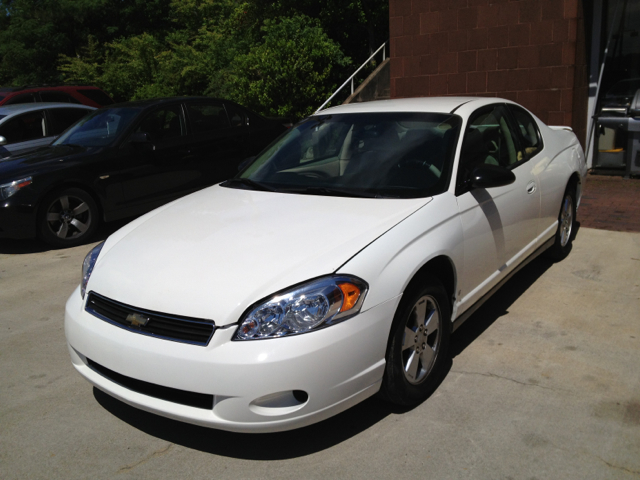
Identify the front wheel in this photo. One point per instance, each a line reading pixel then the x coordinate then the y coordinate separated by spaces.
pixel 67 217
pixel 418 345
pixel 566 226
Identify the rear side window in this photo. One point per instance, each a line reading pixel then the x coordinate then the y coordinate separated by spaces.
pixel 528 130
pixel 97 96
pixel 207 117
pixel 28 126
pixel 63 118
pixel 24 98
pixel 57 97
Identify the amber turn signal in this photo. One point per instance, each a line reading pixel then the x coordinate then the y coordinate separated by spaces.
pixel 351 293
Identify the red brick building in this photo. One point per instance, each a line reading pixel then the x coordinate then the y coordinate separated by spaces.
pixel 529 51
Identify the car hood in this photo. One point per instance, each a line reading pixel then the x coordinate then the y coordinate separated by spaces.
pixel 214 253
pixel 40 160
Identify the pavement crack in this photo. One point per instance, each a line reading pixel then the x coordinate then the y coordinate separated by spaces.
pixel 493 375
pixel 624 469
pixel 157 453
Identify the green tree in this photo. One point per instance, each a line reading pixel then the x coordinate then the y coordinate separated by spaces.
pixel 289 73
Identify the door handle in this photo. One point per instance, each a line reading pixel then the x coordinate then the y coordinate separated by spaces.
pixel 531 187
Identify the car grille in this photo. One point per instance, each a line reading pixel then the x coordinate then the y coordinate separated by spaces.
pixel 168 327
pixel 183 397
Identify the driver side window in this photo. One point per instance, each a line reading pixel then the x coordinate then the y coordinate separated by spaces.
pixel 488 140
pixel 163 124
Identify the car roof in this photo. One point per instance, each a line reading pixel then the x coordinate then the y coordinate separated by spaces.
pixel 159 101
pixel 28 107
pixel 421 104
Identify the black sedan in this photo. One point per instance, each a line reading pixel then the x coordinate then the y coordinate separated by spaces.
pixel 125 160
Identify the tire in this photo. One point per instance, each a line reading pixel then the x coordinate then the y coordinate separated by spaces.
pixel 67 218
pixel 418 345
pixel 566 226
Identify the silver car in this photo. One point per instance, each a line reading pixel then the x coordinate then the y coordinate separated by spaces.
pixel 26 127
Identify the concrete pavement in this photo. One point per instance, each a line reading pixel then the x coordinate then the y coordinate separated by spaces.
pixel 544 383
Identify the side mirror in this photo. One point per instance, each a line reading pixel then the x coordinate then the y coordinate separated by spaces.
pixel 3 140
pixel 490 176
pixel 245 162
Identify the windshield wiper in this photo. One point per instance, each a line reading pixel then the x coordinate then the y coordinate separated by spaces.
pixel 247 182
pixel 330 191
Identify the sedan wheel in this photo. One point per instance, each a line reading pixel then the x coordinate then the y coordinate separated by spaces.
pixel 566 226
pixel 418 345
pixel 421 342
pixel 68 218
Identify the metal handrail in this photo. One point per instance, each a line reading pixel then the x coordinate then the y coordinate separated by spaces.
pixel 350 79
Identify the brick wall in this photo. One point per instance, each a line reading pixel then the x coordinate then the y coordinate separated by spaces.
pixel 523 50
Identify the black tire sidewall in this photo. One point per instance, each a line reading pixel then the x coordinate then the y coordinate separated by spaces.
pixel 44 232
pixel 395 387
pixel 557 251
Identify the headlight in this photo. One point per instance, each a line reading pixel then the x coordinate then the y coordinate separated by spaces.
pixel 8 189
pixel 87 266
pixel 311 306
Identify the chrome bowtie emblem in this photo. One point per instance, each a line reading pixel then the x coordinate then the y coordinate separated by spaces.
pixel 137 320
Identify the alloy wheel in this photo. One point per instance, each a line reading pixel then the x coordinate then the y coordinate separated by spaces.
pixel 422 338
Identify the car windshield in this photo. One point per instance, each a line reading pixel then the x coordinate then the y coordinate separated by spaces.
pixel 99 129
pixel 395 154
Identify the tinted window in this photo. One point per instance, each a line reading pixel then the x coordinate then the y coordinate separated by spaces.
pixel 57 97
pixel 100 128
pixel 237 117
pixel 29 126
pixel 528 129
pixel 207 117
pixel 63 118
pixel 163 124
pixel 404 155
pixel 97 96
pixel 24 98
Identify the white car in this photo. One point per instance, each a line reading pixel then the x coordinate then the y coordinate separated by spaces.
pixel 333 267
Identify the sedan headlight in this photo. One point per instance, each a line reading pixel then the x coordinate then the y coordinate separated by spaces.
pixel 87 266
pixel 308 307
pixel 8 189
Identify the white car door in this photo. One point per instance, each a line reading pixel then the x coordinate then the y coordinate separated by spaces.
pixel 499 224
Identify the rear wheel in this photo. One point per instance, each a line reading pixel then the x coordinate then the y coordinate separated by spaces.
pixel 67 217
pixel 418 345
pixel 566 226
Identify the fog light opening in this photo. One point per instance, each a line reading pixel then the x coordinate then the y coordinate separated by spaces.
pixel 301 396
pixel 280 403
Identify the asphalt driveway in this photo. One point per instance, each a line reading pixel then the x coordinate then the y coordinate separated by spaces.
pixel 544 383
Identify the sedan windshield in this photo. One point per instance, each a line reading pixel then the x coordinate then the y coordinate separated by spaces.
pixel 401 155
pixel 99 129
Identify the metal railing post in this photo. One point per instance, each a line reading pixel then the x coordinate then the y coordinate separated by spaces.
pixel 350 79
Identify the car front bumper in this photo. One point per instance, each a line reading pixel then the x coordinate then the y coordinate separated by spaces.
pixel 252 382
pixel 17 219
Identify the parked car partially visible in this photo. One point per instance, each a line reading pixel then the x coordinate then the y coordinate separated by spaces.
pixel 78 94
pixel 29 126
pixel 125 160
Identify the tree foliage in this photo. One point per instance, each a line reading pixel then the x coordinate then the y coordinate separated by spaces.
pixel 282 57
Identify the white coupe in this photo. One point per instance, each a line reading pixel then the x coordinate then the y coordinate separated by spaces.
pixel 334 266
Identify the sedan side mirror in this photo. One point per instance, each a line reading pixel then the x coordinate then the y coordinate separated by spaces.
pixel 490 176
pixel 3 140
